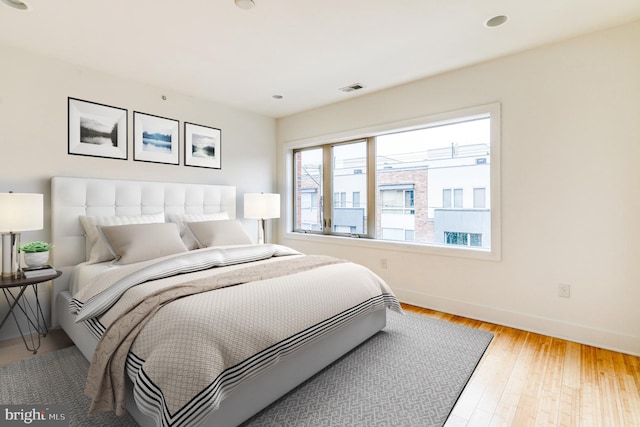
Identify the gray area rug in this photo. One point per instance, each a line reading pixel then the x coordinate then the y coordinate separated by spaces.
pixel 410 374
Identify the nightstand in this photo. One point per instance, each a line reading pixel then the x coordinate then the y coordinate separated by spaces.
pixel 35 319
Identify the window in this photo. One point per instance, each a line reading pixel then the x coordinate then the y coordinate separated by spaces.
pixel 458 201
pixel 308 190
pixel 457 198
pixel 462 239
pixel 479 198
pixel 356 198
pixel 428 185
pixel 348 172
pixel 446 198
pixel 397 212
pixel 397 200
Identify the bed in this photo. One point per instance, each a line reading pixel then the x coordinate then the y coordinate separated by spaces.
pixel 87 290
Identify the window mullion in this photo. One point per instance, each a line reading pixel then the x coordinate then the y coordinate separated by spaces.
pixel 327 185
pixel 371 188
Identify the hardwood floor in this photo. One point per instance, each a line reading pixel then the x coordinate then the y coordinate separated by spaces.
pixel 524 379
pixel 13 350
pixel 527 379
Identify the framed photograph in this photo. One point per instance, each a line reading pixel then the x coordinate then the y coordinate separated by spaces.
pixel 202 146
pixel 155 139
pixel 97 130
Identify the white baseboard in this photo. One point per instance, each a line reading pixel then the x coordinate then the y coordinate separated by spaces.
pixel 609 340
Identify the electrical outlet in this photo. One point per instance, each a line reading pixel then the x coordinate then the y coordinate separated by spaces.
pixel 383 263
pixel 564 290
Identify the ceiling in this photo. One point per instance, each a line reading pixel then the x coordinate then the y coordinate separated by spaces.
pixel 302 50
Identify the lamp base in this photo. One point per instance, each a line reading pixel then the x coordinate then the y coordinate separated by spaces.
pixel 10 255
pixel 261 232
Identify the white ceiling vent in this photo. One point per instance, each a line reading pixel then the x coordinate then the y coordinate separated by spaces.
pixel 351 88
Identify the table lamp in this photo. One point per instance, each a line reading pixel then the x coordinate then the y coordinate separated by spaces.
pixel 18 212
pixel 261 206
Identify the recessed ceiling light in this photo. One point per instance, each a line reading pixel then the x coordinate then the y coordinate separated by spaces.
pixel 242 4
pixel 496 21
pixel 16 4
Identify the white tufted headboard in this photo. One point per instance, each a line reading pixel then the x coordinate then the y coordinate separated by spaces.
pixel 73 197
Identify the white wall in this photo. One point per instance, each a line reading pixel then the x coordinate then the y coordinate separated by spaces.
pixel 570 189
pixel 33 134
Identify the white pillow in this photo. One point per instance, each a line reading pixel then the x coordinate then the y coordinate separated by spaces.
pixel 98 250
pixel 219 233
pixel 131 243
pixel 187 237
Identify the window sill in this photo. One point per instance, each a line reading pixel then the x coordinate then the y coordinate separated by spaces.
pixel 414 248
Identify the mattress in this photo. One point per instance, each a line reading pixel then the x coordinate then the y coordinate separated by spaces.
pixel 84 339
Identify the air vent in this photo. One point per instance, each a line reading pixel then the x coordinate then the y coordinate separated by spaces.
pixel 351 88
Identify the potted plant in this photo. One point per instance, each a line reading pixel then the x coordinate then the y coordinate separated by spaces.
pixel 36 253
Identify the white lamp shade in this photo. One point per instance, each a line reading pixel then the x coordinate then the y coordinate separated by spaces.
pixel 261 205
pixel 21 212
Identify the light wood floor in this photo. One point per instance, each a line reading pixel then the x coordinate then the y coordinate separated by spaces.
pixel 524 379
pixel 13 350
pixel 527 379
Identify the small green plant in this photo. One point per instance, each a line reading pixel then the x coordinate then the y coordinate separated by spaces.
pixel 35 247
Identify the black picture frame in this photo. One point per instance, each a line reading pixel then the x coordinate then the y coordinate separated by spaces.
pixel 97 130
pixel 202 146
pixel 156 139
